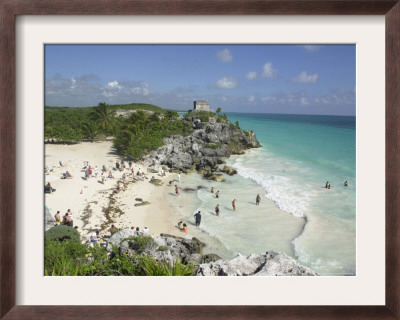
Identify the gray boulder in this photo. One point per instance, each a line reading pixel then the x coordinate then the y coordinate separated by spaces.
pixel 269 264
pixel 238 266
pixel 280 264
pixel 49 221
pixel 118 236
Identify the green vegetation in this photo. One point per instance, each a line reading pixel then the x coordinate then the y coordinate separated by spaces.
pixel 134 136
pixel 142 133
pixel 204 116
pixel 140 244
pixel 62 233
pixel 177 268
pixel 71 258
pixel 212 145
pixel 67 124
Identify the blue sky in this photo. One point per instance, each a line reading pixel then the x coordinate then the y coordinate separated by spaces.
pixel 296 79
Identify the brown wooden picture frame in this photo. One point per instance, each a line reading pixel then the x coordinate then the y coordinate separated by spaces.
pixel 10 9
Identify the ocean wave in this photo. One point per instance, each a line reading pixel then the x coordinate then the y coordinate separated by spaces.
pixel 285 193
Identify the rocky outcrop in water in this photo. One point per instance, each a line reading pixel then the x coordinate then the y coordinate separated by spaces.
pixel 168 248
pixel 206 147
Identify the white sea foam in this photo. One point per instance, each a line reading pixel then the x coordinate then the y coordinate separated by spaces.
pixel 286 194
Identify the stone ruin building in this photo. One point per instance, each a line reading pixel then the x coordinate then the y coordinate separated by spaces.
pixel 201 105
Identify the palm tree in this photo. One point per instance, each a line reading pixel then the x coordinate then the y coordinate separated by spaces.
pixel 139 116
pixel 104 117
pixel 237 124
pixel 219 110
pixel 90 130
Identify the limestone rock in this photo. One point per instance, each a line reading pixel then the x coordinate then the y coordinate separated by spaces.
pixel 269 264
pixel 229 170
pixel 49 220
pixel 280 264
pixel 118 236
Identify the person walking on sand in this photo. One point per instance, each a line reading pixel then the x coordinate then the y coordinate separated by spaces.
pixel 176 190
pixel 103 178
pixel 96 171
pixel 179 177
pixel 217 194
pixel 217 210
pixel 234 204
pixel 258 199
pixel 124 177
pixel 197 217
pixel 118 187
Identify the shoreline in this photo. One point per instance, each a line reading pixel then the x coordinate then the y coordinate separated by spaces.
pixel 99 206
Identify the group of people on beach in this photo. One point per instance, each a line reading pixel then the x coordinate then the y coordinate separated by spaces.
pixel 66 220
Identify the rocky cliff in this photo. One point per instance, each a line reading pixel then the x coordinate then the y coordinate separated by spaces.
pixel 206 147
pixel 168 248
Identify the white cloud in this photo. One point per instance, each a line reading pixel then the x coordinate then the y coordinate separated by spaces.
pixel 303 77
pixel 311 47
pixel 304 101
pixel 269 71
pixel 251 75
pixel 227 83
pixel 339 98
pixel 225 55
pixel 113 84
pixel 111 89
pixel 252 98
pixel 140 91
pixel 73 83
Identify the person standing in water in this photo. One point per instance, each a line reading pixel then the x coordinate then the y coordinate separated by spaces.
pixel 345 183
pixel 217 210
pixel 326 184
pixel 217 194
pixel 197 217
pixel 234 204
pixel 258 199
pixel 212 189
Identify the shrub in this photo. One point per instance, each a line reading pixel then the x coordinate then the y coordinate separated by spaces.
pixel 64 258
pixel 177 268
pixel 141 243
pixel 62 233
pixel 162 248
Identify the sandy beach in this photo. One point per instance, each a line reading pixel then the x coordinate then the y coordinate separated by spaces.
pixel 96 206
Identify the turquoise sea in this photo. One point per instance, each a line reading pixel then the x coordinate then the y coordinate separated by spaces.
pixel 297 214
